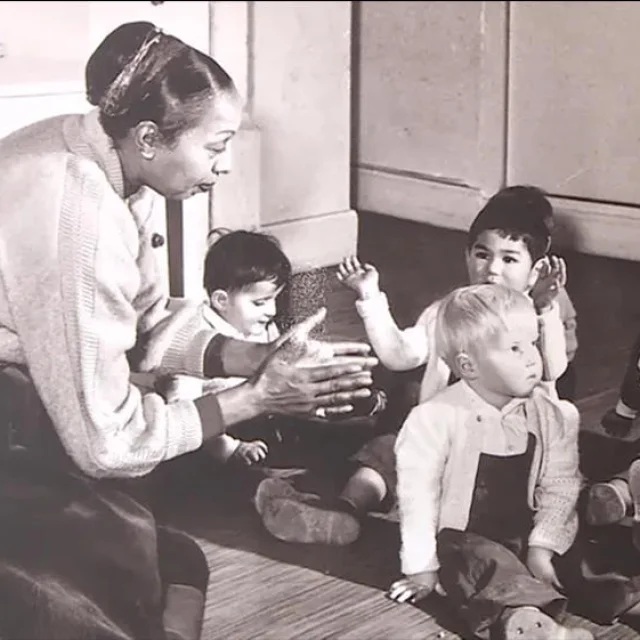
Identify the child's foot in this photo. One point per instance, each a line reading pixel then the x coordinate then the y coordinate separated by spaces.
pixel 616 425
pixel 529 623
pixel 293 516
pixel 607 503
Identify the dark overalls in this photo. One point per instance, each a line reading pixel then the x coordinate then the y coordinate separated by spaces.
pixel 483 569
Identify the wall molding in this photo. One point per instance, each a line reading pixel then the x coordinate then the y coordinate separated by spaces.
pixel 316 242
pixel 414 198
pixel 595 228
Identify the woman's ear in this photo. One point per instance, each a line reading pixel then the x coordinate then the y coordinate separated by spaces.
pixel 466 366
pixel 147 137
pixel 219 300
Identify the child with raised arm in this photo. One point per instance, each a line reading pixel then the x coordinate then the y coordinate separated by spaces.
pixel 507 243
pixel 488 483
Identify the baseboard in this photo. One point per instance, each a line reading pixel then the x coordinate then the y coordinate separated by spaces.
pixel 600 229
pixel 414 198
pixel 317 242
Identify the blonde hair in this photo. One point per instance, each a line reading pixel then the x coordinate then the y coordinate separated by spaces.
pixel 470 317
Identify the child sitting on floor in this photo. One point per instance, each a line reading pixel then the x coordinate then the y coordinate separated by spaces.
pixel 244 273
pixel 507 243
pixel 488 483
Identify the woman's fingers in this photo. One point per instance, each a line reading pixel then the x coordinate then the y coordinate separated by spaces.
pixel 341 401
pixel 300 332
pixel 339 371
pixel 350 348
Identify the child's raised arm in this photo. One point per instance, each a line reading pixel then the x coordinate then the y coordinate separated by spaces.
pixel 553 343
pixel 398 349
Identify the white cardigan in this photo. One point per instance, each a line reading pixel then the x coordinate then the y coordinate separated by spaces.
pixel 437 453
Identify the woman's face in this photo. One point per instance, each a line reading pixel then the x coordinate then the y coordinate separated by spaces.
pixel 192 164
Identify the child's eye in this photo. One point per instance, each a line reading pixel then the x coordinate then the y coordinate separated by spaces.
pixel 510 260
pixel 481 255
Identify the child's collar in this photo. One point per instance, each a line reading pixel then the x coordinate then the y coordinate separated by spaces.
pixel 479 403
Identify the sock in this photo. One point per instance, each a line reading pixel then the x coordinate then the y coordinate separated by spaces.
pixel 624 411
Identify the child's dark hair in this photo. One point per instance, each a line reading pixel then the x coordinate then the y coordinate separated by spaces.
pixel 521 212
pixel 239 258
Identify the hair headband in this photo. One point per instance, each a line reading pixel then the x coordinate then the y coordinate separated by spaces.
pixel 110 103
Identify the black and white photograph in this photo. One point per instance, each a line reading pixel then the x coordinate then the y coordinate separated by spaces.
pixel 318 320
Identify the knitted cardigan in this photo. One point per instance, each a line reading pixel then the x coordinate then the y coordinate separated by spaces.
pixel 80 288
pixel 437 453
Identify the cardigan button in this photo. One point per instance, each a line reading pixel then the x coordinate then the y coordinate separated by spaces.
pixel 479 418
pixel 157 240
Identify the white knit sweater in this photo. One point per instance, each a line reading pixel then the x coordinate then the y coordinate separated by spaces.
pixel 437 454
pixel 79 287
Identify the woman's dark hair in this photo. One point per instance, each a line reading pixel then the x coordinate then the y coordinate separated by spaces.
pixel 520 212
pixel 138 73
pixel 239 258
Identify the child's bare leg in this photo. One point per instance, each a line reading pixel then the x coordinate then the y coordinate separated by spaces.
pixel 365 490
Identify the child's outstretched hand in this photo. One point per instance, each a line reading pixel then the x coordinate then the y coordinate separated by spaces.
pixel 251 452
pixel 552 277
pixel 362 278
pixel 414 588
pixel 539 562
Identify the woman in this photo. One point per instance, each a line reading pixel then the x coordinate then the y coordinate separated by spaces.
pixel 81 307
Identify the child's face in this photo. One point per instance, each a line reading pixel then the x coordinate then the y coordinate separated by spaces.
pixel 493 259
pixel 250 309
pixel 509 366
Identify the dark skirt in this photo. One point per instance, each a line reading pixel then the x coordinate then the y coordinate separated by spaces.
pixel 80 558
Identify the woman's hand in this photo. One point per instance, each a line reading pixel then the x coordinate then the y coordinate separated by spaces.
pixel 289 381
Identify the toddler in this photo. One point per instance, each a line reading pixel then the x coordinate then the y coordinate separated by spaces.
pixel 244 273
pixel 488 483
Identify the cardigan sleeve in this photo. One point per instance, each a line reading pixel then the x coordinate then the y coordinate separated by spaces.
pixel 398 349
pixel 558 486
pixel 76 312
pixel 553 344
pixel 421 452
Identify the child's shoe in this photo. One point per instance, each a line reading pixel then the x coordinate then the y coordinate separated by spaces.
pixel 529 623
pixel 606 503
pixel 293 516
pixel 616 425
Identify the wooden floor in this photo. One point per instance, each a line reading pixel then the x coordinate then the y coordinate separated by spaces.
pixel 262 588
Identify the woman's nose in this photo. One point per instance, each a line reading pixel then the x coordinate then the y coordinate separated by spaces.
pixel 222 162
